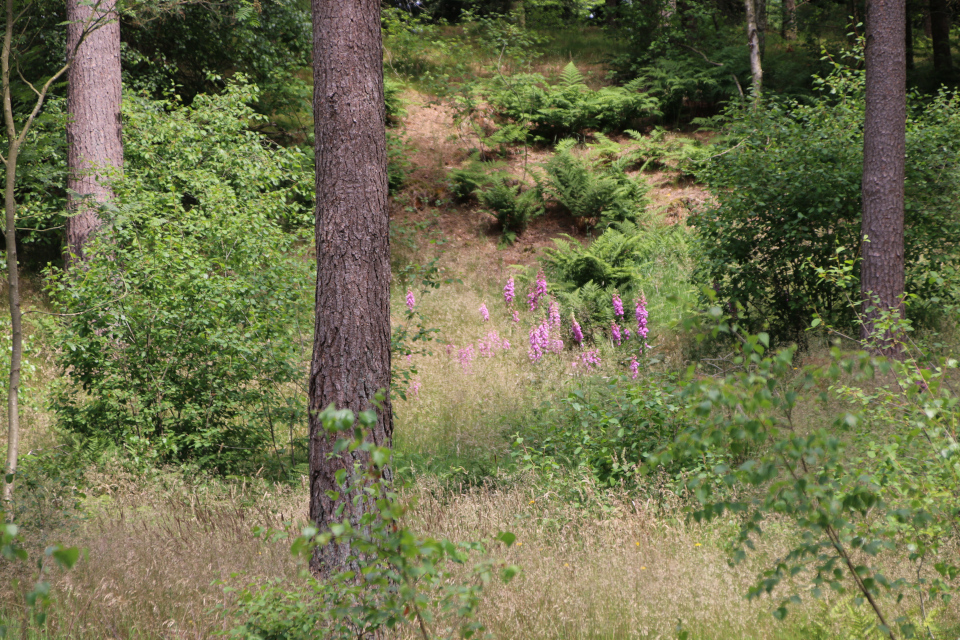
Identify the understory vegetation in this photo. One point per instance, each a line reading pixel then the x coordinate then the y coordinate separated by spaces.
pixel 630 395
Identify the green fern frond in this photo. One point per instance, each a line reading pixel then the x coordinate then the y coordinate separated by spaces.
pixel 571 76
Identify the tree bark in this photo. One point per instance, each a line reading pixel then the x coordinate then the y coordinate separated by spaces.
pixel 940 34
pixel 753 40
pixel 13 270
pixel 789 19
pixel 94 142
pixel 884 144
pixel 351 349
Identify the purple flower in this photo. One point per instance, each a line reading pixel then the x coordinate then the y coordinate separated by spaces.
pixel 539 290
pixel 411 301
pixel 641 313
pixel 617 306
pixel 626 333
pixel 588 360
pixel 554 316
pixel 634 368
pixel 484 313
pixel 535 352
pixel 466 356
pixel 615 333
pixel 415 388
pixel 516 316
pixel 577 332
pixel 488 346
pixel 508 292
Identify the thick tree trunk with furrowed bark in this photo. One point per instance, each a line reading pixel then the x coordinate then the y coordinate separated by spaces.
pixel 94 142
pixel 351 349
pixel 884 145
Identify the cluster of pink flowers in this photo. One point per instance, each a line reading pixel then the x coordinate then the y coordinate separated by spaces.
pixel 466 356
pixel 484 313
pixel 508 292
pixel 588 360
pixel 516 316
pixel 617 306
pixel 634 368
pixel 489 345
pixel 615 333
pixel 641 313
pixel 411 301
pixel 577 331
pixel 545 337
pixel 415 388
pixel 539 290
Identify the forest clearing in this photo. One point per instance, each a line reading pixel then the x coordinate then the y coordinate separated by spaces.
pixel 481 318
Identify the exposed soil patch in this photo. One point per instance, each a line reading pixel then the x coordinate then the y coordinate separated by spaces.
pixel 437 146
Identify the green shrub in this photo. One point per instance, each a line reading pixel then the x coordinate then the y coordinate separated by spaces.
pixel 787 190
pixel 607 430
pixel 671 152
pixel 569 107
pixel 183 333
pixel 599 195
pixel 513 207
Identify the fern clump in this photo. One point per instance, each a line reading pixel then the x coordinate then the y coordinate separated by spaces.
pixel 599 195
pixel 475 176
pixel 569 106
pixel 626 258
pixel 513 206
pixel 676 153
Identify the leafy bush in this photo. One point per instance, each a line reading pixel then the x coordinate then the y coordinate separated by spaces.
pixel 399 579
pixel 873 486
pixel 183 334
pixel 513 207
pixel 609 430
pixel 788 190
pixel 625 258
pixel 569 107
pixel 597 195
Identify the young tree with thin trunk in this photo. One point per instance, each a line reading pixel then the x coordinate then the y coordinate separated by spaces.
pixel 351 349
pixel 884 143
pixel 94 143
pixel 940 35
pixel 753 41
pixel 15 139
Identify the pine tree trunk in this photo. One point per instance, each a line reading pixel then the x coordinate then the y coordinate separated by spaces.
pixel 94 142
pixel 789 19
pixel 753 40
pixel 940 34
pixel 351 349
pixel 884 144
